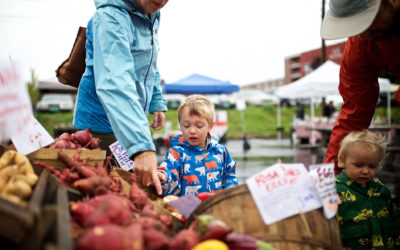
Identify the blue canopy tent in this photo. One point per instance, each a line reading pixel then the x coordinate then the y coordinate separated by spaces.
pixel 198 84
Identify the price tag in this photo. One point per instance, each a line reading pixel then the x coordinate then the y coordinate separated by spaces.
pixel 32 137
pixel 283 190
pixel 15 104
pixel 121 156
pixel 324 177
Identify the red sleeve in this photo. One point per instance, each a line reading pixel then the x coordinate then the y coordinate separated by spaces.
pixel 360 91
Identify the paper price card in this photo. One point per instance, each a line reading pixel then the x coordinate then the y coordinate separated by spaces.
pixel 283 190
pixel 324 177
pixel 32 137
pixel 15 104
pixel 121 156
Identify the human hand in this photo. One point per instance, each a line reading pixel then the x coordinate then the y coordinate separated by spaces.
pixel 146 170
pixel 397 95
pixel 158 120
pixel 162 177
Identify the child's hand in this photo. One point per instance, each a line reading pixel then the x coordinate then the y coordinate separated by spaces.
pixel 162 176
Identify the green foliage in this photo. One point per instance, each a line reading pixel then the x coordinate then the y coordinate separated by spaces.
pixel 261 122
pixel 32 86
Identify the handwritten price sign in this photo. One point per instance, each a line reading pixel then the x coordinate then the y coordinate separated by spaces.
pixel 121 156
pixel 283 190
pixel 324 177
pixel 15 104
pixel 32 137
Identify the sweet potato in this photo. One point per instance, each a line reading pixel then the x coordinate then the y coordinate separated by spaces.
pixel 135 234
pixel 237 241
pixel 185 240
pixel 155 240
pixel 137 195
pixel 148 223
pixel 89 185
pixel 104 237
pixel 217 230
pixel 68 161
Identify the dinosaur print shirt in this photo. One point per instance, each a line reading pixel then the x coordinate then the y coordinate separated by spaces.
pixel 191 170
pixel 367 216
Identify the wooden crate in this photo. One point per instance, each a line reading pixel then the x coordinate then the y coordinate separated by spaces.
pixel 50 156
pixel 26 227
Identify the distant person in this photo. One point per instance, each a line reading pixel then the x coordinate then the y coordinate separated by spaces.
pixel 121 83
pixel 329 110
pixel 367 216
pixel 323 107
pixel 196 162
pixel 300 113
pixel 373 28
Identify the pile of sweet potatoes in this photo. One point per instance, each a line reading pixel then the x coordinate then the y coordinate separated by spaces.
pixel 79 139
pixel 90 180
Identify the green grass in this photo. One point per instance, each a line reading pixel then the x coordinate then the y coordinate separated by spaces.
pixel 260 122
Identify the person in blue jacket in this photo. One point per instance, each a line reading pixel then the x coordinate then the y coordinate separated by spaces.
pixel 196 162
pixel 121 83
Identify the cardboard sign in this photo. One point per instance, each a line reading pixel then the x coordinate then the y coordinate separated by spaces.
pixel 283 190
pixel 324 177
pixel 32 137
pixel 15 104
pixel 121 156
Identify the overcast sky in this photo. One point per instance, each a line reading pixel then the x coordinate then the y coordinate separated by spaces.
pixel 238 41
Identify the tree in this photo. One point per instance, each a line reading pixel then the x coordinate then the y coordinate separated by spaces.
pixel 33 91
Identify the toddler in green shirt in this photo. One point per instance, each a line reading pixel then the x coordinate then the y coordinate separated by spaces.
pixel 367 216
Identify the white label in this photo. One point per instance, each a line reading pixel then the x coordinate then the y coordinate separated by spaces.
pixel 121 156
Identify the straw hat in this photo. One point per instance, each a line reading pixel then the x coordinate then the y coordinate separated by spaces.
pixel 348 18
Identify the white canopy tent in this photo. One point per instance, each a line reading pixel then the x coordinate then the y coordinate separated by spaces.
pixel 321 82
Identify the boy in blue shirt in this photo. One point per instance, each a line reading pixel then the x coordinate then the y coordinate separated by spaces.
pixel 196 162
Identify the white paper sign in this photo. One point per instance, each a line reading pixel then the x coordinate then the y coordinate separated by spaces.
pixel 324 177
pixel 121 156
pixel 283 190
pixel 32 137
pixel 15 104
pixel 240 105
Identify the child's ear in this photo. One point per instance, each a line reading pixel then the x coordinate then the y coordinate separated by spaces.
pixel 341 161
pixel 212 125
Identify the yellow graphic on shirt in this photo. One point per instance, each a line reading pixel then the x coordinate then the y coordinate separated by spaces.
pixel 365 214
pixel 349 182
pixel 377 241
pixel 378 181
pixel 347 196
pixel 383 213
pixel 373 192
pixel 340 219
pixel 390 243
pixel 364 241
pixel 398 241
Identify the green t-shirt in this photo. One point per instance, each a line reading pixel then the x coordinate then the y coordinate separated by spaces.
pixel 367 215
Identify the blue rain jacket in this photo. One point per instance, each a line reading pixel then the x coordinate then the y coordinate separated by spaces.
pixel 191 170
pixel 121 54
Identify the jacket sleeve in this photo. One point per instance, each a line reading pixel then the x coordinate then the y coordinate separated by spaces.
pixel 229 177
pixel 158 102
pixel 172 186
pixel 116 81
pixel 359 88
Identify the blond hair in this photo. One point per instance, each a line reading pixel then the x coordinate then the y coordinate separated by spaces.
pixel 376 143
pixel 198 105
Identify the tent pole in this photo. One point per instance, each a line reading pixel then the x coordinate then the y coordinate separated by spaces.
pixel 312 122
pixel 279 135
pixel 389 120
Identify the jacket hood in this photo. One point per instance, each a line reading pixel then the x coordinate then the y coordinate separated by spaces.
pixel 179 140
pixel 115 3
